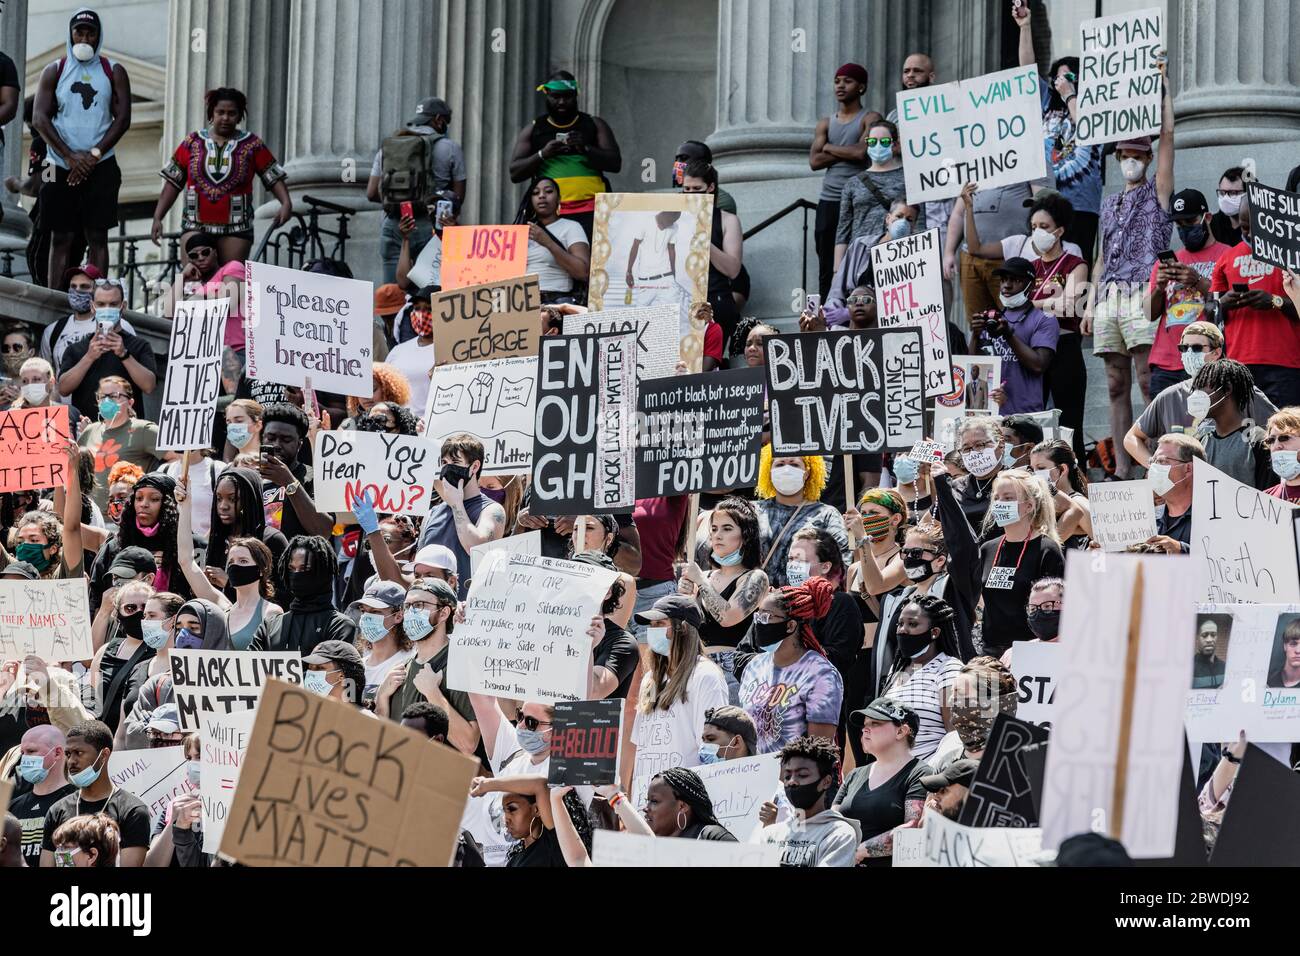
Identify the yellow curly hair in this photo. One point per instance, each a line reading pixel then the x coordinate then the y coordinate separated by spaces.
pixel 814 465
pixel 390 386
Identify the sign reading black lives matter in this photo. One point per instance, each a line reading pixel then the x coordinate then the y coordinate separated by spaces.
pixel 1274 226
pixel 585 743
pixel 846 393
pixel 193 375
pixel 699 432
pixel 584 439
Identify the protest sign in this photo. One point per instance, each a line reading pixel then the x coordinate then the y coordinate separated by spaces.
pixel 612 848
pixel 31 448
pixel 843 393
pixel 1116 751
pixel 1119 77
pixel 927 452
pixel 397 471
pixel 50 619
pixel 974 377
pixel 193 380
pixel 586 738
pixel 699 432
pixel 909 293
pixel 1260 826
pixel 495 401
pixel 1035 665
pixel 223 744
pixel 527 542
pixel 1002 793
pixel 661 243
pixel 525 630
pixel 993 124
pixel 1242 540
pixel 307 325
pixel 1274 226
pixel 739 788
pixel 1123 513
pixel 909 847
pixel 946 843
pixel 157 776
pixel 584 437
pixel 223 682
pixel 489 321
pixel 1245 673
pixel 473 255
pixel 657 335
pixel 323 784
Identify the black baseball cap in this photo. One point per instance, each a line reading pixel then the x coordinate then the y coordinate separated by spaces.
pixel 958 772
pixel 1016 268
pixel 327 652
pixel 20 569
pixel 131 562
pixel 886 708
pixel 427 109
pixel 1188 203
pixel 676 607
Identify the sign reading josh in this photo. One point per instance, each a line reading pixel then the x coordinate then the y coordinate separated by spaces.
pixel 842 393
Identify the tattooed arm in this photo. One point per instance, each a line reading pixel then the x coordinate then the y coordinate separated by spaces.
pixel 491 524
pixel 882 844
pixel 750 590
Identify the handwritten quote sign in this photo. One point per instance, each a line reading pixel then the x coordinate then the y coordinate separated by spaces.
pixel 1241 541
pixel 739 788
pixel 909 293
pixel 50 619
pixel 656 329
pixel 193 375
pixel 489 321
pixel 223 744
pixel 1123 513
pixel 495 401
pixel 473 255
pixel 31 448
pixel 1119 77
pixel 223 682
pixel 397 471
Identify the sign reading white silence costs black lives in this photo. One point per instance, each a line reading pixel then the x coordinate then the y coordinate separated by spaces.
pixel 1274 226
pixel 699 432
pixel 846 393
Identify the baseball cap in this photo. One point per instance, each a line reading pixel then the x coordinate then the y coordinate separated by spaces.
pixel 331 652
pixel 1016 268
pixel 886 708
pixel 427 109
pixel 958 772
pixel 131 562
pixel 20 569
pixel 1139 144
pixel 89 271
pixel 436 556
pixel 676 607
pixel 426 294
pixel 439 588
pixel 166 719
pixel 382 596
pixel 389 299
pixel 1188 203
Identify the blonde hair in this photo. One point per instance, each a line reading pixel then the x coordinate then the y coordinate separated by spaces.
pixel 666 679
pixel 1286 420
pixel 814 483
pixel 1207 329
pixel 1042 516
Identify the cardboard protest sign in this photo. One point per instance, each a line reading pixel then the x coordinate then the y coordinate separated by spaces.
pixel 1036 665
pixel 473 255
pixel 157 775
pixel 909 294
pixel 305 325
pixel 193 375
pixel 50 619
pixel 1123 513
pixel 1002 793
pixel 699 432
pixel 1245 673
pixel 1117 735
pixel 612 848
pixel 738 788
pixel 495 401
pixel 489 321
pixel 1119 77
pixel 586 738
pixel 525 630
pixel 584 437
pixel 224 742
pixel 1274 226
pixel 657 335
pixel 988 129
pixel 223 682
pixel 1242 540
pixel 397 471
pixel 946 843
pixel 843 393
pixel 31 448
pixel 323 784
pixel 528 542
pixel 1260 826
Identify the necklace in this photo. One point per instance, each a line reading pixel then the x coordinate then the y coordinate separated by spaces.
pixel 568 125
pixel 111 790
pixel 980 492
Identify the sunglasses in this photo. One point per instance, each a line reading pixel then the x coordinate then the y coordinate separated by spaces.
pixel 880 141
pixel 532 723
pixel 765 617
pixel 860 299
pixel 129 609
pixel 114 283
pixel 10 349
pixel 1198 349
pixel 916 553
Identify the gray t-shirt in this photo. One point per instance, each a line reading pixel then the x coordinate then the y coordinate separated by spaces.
pixel 862 213
pixel 1168 413
pixel 1001 212
pixel 1233 454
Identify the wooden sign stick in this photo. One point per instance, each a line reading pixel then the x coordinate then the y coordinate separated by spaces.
pixel 1126 707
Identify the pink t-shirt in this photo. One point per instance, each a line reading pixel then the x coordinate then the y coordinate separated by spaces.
pixel 214 288
pixel 1183 306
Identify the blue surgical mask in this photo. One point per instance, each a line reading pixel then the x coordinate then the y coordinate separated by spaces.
pixel 238 434
pixel 899 228
pixel 1005 512
pixel 880 154
pixel 187 640
pixel 84 778
pixel 415 621
pixel 192 772
pixel 727 560
pixel 1008 459
pixel 1285 464
pixel 532 740
pixel 31 767
pixel 659 640
pixel 153 633
pixel 709 754
pixel 108 409
pixel 80 302
pixel 108 316
pixel 372 627
pixel 317 682
pixel 906 470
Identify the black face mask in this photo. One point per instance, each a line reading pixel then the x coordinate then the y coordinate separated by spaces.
pixel 131 625
pixel 305 584
pixel 771 633
pixel 1194 237
pixel 1046 625
pixel 455 475
pixel 241 574
pixel 803 796
pixel 909 645
pixel 918 569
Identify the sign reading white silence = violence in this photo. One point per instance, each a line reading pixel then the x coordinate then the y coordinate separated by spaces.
pixel 699 432
pixel 193 375
pixel 1274 226
pixel 397 471
pixel 909 294
pixel 1119 78
pixel 845 393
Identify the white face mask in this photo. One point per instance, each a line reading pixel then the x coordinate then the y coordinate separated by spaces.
pixel 787 479
pixel 83 51
pixel 1042 240
pixel 1005 512
pixel 35 394
pixel 979 462
pixel 1286 465
pixel 1198 405
pixel 796 572
pixel 1158 475
pixel 1133 170
pixel 1230 205
pixel 1046 475
pixel 1014 301
pixel 1193 362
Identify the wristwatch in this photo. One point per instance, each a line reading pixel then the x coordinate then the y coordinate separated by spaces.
pixel 1278 302
pixel 292 488
pixel 96 152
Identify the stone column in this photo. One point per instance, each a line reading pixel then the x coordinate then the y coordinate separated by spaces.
pixel 13 41
pixel 776 61
pixel 492 56
pixel 1234 78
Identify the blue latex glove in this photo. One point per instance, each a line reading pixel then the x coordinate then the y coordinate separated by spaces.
pixel 364 509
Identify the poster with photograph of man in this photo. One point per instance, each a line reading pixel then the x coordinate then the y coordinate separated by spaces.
pixel 974 377
pixel 1211 650
pixel 1284 662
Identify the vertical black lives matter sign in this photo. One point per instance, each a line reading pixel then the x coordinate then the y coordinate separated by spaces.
pixel 584 440
pixel 699 432
pixel 1002 793
pixel 193 375
pixel 585 743
pixel 1274 226
pixel 845 393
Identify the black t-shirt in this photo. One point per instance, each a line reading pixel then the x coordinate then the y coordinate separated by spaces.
pixel 973 496
pixel 290 523
pixel 709 831
pixel 83 397
pixel 126 810
pixel 880 810
pixel 617 650
pixel 1006 590
pixel 30 809
pixel 840 631
pixel 8 77
pixel 544 851
pixel 1224 231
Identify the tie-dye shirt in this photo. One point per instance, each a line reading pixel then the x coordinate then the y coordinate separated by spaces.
pixel 783 700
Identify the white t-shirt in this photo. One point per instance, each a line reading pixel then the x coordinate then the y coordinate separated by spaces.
pixel 924 691
pixel 203 478
pixel 652 255
pixel 1013 246
pixel 671 738
pixel 414 361
pixel 375 672
pixel 550 277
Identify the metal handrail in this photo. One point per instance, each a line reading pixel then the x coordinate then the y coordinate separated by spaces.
pixel 798 204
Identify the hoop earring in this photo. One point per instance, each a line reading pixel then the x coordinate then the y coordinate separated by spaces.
pixel 681 820
pixel 541 828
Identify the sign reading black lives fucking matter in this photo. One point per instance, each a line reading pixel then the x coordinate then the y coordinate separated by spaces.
pixel 699 432
pixel 846 393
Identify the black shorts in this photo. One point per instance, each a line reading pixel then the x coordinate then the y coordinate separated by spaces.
pixel 90 205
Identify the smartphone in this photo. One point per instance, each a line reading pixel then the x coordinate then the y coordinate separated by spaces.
pixel 408 210
pixel 268 450
pixel 444 210
pixel 1167 257
pixel 1240 287
pixel 812 303
pixel 561 137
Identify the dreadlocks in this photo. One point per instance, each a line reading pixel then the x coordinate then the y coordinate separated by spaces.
pixel 321 562
pixel 806 603
pixel 687 787
pixel 1229 375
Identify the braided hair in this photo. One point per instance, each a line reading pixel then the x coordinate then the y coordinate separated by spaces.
pixel 941 615
pixel 1230 375
pixel 578 816
pixel 806 603
pixel 164 539
pixel 687 787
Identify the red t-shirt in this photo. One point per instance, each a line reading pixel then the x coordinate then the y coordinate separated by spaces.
pixel 1183 305
pixel 1050 279
pixel 1256 336
pixel 713 341
pixel 659 523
